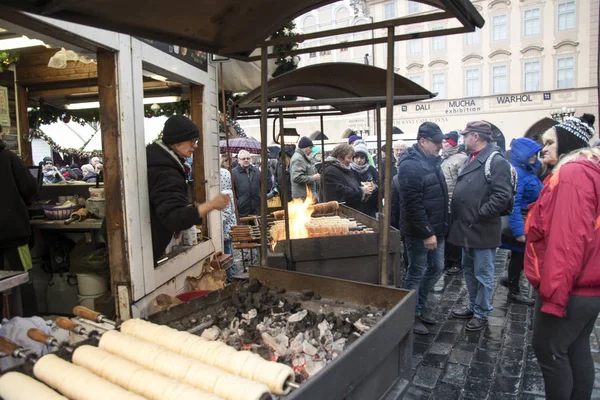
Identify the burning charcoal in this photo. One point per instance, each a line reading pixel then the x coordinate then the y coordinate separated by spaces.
pixel 346 328
pixel 298 316
pixel 312 367
pixel 338 345
pixel 280 290
pixel 250 315
pixel 298 361
pixel 296 344
pixel 309 348
pixel 235 300
pixel 352 338
pixel 211 333
pixel 277 311
pixel 264 352
pixel 307 295
pixel 235 323
pixel 273 344
pixel 360 326
pixel 288 307
pixel 253 286
pixel 317 297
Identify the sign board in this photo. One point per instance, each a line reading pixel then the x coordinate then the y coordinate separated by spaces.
pixel 4 110
pixel 198 59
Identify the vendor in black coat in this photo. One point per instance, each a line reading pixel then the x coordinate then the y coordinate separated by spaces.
pixel 170 211
pixel 341 183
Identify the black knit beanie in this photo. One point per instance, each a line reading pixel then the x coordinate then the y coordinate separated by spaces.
pixel 179 129
pixel 574 133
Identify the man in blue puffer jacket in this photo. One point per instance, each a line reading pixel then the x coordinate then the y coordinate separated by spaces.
pixel 524 159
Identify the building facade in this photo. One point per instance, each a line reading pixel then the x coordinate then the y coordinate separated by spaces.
pixel 531 57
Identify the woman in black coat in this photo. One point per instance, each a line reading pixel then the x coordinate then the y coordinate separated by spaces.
pixel 170 211
pixel 341 183
pixel 366 175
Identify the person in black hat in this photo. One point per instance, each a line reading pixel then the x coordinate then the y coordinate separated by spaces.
pixel 170 211
pixel 278 175
pixel 572 134
pixel 423 211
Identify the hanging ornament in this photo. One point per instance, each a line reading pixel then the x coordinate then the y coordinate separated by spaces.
pixel 155 107
pixel 67 119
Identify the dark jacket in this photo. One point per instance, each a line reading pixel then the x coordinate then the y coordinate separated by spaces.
pixel 170 210
pixel 370 206
pixel 476 204
pixel 247 189
pixel 341 184
pixel 18 189
pixel 382 171
pixel 529 186
pixel 423 194
pixel 279 181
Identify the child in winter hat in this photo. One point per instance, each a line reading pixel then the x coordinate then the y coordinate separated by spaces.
pixel 574 133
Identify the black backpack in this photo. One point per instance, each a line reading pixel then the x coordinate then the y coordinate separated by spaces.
pixel 514 180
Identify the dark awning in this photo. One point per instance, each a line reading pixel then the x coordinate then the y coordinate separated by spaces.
pixel 227 27
pixel 347 87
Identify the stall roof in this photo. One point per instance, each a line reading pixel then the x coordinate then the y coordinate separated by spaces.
pixel 347 87
pixel 227 27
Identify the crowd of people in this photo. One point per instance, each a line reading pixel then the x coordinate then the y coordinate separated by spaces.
pixel 86 172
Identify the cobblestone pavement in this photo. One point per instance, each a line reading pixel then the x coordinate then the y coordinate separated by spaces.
pixel 497 363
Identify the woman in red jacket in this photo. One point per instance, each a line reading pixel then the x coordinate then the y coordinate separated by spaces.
pixel 562 261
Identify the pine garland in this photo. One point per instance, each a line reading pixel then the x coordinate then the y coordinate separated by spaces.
pixel 8 57
pixel 285 62
pixel 68 151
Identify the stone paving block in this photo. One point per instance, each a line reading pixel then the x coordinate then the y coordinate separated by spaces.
pixel 494 333
pixel 424 338
pixel 519 309
pixel 471 337
pixel 440 348
pixel 461 357
pixel 496 321
pixel 435 360
pixel 514 341
pixel 446 337
pixel 506 385
pixel 502 396
pixel 481 371
pixel 417 393
pixel 510 369
pixel 516 328
pixel 533 384
pixel 533 368
pixel 486 356
pixel 512 354
pixel 426 376
pixel 454 326
pixel 466 346
pixel 526 396
pixel 455 374
pixel 446 391
pixel 419 349
pixel 485 344
pixel 499 312
pixel 415 362
pixel 594 343
pixel 476 389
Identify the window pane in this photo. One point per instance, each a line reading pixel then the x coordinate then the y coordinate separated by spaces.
pixel 566 15
pixel 472 38
pixel 413 7
pixel 414 46
pixel 500 79
pixel 389 10
pixel 417 79
pixel 565 72
pixel 532 76
pixel 532 22
pixel 472 82
pixel 439 84
pixel 499 26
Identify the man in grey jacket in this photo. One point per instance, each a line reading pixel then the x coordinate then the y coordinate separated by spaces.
pixel 302 170
pixel 476 208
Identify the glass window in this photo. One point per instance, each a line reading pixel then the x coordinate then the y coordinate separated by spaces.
pixel 416 79
pixel 566 15
pixel 500 27
pixel 438 85
pixel 312 55
pixel 472 83
pixel 389 10
pixel 414 46
pixel 532 76
pixel 414 7
pixel 499 79
pixel 473 38
pixel 438 42
pixel 565 72
pixel 532 22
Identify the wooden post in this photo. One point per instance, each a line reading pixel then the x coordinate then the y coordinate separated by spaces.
pixel 113 182
pixel 196 103
pixel 23 124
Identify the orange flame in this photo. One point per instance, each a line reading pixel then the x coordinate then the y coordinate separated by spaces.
pixel 300 212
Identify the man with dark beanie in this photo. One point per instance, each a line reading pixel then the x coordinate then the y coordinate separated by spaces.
pixel 170 211
pixel 302 171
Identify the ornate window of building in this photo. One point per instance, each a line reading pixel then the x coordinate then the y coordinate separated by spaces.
pixel 565 72
pixel 473 38
pixel 532 22
pixel 418 79
pixel 389 10
pixel 438 43
pixel 438 84
pixel 531 76
pixel 566 15
pixel 500 27
pixel 414 7
pixel 472 82
pixel 414 46
pixel 499 79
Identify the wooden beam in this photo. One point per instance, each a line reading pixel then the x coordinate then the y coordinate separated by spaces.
pixel 196 109
pixel 113 177
pixel 36 91
pixel 23 124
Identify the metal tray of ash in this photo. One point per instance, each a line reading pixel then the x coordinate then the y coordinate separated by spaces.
pixel 344 339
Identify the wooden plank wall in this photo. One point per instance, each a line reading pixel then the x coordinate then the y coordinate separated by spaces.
pixel 10 133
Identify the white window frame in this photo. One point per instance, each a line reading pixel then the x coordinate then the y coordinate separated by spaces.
pixel 473 82
pixel 435 84
pixel 414 46
pixel 502 35
pixel 530 73
pixel 438 43
pixel 473 38
pixel 565 69
pixel 532 20
pixel 385 9
pixel 565 14
pixel 495 89
pixel 418 79
pixel 414 7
